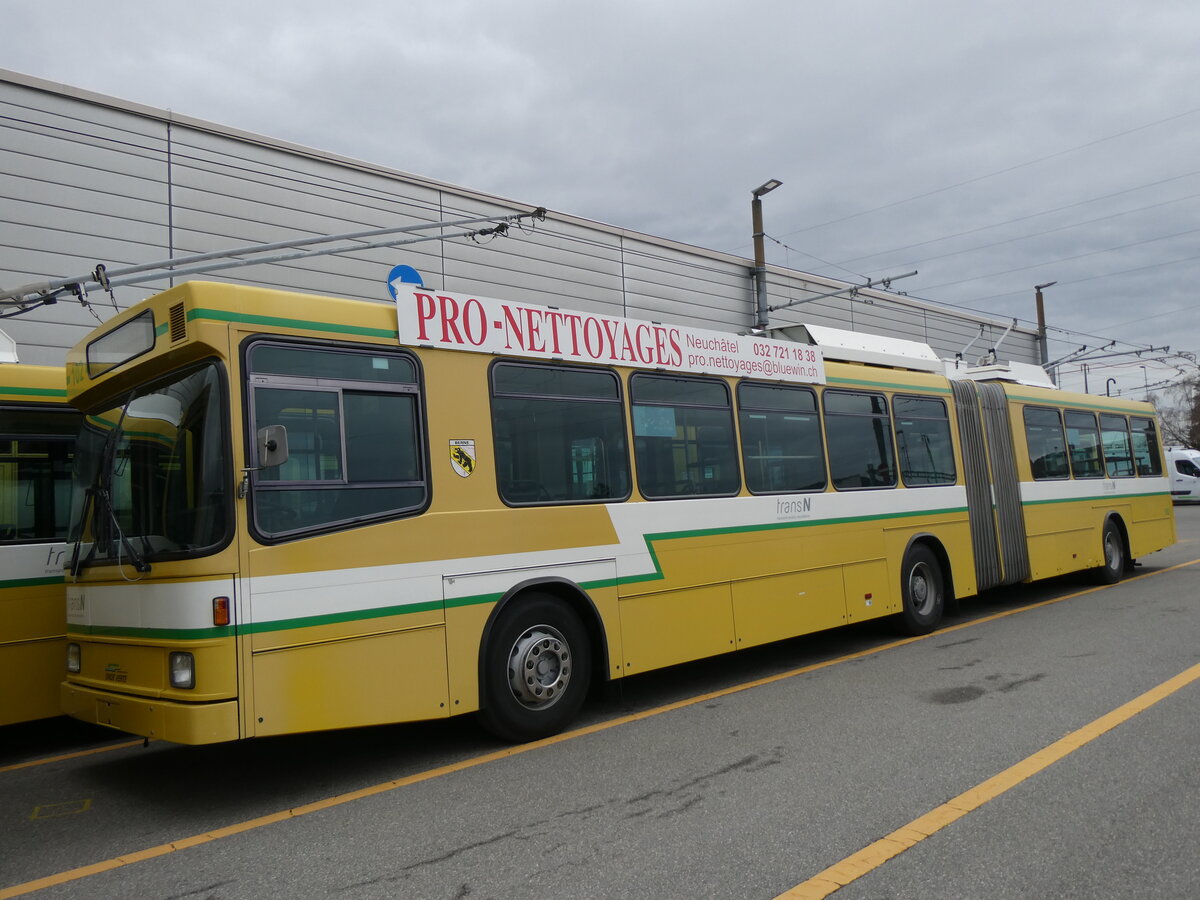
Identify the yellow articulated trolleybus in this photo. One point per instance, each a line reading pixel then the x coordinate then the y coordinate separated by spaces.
pixel 37 437
pixel 298 513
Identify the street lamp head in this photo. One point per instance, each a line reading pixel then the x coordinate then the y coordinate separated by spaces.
pixel 766 188
pixel 1038 287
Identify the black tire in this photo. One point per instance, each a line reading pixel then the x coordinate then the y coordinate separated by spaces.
pixel 1112 549
pixel 923 591
pixel 543 639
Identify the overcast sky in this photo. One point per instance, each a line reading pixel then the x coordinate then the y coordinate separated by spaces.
pixel 989 145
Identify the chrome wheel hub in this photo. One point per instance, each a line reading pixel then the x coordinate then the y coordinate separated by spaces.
pixel 921 590
pixel 539 667
pixel 1112 552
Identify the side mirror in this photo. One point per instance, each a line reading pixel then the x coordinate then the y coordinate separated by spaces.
pixel 272 446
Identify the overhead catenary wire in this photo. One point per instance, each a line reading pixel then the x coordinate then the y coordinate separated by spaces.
pixel 99 278
pixel 1004 171
pixel 1045 212
pixel 1061 228
pixel 186 153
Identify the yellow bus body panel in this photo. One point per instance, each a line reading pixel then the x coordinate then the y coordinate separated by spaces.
pixel 180 723
pixel 369 680
pixel 32 605
pixel 32 651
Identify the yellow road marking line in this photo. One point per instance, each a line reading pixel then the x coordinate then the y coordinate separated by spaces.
pixel 53 759
pixel 875 855
pixel 117 862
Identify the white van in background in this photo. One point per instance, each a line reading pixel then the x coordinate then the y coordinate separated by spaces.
pixel 1183 467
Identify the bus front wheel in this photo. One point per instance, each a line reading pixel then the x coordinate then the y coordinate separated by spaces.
pixel 922 589
pixel 536 669
pixel 1112 569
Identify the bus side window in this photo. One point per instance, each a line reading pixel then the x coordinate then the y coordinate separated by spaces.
pixel 1118 453
pixel 683 437
pixel 1146 454
pixel 354 441
pixel 923 435
pixel 1083 439
pixel 36 449
pixel 781 438
pixel 1047 446
pixel 559 434
pixel 859 434
pixel 35 488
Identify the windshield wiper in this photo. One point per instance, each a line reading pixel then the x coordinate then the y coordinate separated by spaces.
pixel 139 564
pixel 78 563
pixel 94 490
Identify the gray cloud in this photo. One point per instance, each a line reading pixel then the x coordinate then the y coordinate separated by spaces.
pixel 1038 141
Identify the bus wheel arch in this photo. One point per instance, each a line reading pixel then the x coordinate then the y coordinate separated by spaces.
pixel 537 659
pixel 926 586
pixel 1115 559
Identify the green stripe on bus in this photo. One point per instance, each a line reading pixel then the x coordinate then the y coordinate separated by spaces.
pixel 477 599
pixel 13 390
pixel 339 618
pixel 30 582
pixel 651 539
pixel 892 386
pixel 1108 498
pixel 1118 407
pixel 165 634
pixel 220 315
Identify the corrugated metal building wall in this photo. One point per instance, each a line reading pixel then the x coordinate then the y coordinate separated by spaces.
pixel 86 179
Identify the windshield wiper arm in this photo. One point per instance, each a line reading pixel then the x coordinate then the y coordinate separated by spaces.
pixel 77 563
pixel 103 469
pixel 139 564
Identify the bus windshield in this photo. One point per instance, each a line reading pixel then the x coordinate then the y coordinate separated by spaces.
pixel 150 477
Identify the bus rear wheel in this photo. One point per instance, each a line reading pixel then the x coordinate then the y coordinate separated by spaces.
pixel 1112 569
pixel 922 589
pixel 536 669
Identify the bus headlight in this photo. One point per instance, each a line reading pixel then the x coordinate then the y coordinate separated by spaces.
pixel 183 670
pixel 73 665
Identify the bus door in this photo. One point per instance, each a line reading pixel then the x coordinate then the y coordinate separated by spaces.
pixel 347 627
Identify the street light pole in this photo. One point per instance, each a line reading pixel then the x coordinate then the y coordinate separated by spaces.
pixel 1041 320
pixel 760 255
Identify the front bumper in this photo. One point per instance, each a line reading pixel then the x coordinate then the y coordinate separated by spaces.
pixel 180 723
